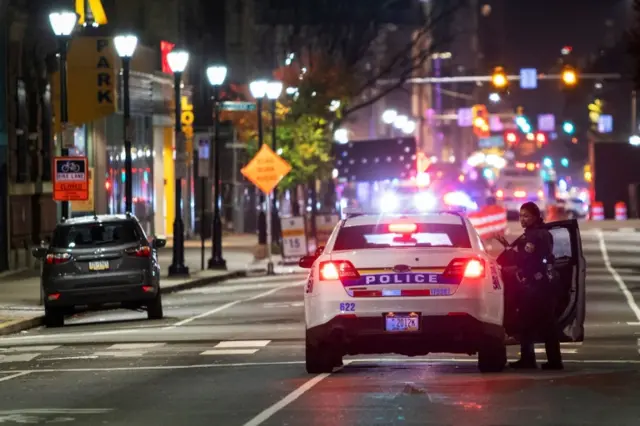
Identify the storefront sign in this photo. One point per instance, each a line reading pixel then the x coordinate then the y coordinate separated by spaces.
pixel 70 179
pixel 91 11
pixel 92 63
pixel 187 118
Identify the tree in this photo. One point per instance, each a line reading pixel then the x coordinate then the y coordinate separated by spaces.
pixel 330 47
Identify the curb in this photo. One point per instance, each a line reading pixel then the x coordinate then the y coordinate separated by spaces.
pixel 15 326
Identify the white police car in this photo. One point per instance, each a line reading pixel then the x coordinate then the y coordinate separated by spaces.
pixel 415 284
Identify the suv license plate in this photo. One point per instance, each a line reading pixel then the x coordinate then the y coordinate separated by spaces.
pixel 100 265
pixel 402 323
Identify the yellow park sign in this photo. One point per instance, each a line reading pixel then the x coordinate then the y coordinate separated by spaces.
pixel 266 169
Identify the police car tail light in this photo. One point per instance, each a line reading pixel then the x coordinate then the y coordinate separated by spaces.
pixel 403 228
pixel 144 251
pixel 57 258
pixel 336 270
pixel 474 269
pixel 465 268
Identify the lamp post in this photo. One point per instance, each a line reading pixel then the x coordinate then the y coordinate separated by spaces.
pixel 216 75
pixel 178 59
pixel 258 90
pixel 126 46
pixel 274 89
pixel 63 23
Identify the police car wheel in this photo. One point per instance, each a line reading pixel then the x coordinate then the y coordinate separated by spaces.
pixel 319 359
pixel 53 317
pixel 492 358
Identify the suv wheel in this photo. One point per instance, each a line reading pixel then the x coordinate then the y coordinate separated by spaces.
pixel 492 358
pixel 53 317
pixel 319 359
pixel 154 308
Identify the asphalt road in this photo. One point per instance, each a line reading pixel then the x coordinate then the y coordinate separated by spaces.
pixel 232 354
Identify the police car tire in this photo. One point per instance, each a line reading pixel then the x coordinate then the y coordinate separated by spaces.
pixel 53 317
pixel 318 359
pixel 492 358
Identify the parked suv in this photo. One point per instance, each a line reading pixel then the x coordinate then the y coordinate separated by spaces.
pixel 100 262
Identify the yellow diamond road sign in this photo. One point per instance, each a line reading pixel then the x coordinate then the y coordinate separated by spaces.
pixel 266 169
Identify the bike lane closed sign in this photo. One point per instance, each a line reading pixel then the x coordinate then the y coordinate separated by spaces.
pixel 70 179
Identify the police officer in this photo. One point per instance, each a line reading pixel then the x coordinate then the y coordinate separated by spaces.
pixel 532 257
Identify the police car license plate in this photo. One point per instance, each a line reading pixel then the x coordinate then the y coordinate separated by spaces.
pixel 401 323
pixel 99 265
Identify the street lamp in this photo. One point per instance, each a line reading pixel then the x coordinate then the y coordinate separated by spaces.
pixel 126 46
pixel 216 75
pixel 409 127
pixel 178 60
pixel 63 23
pixel 400 121
pixel 274 89
pixel 258 90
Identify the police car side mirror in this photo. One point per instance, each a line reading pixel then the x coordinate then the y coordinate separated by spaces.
pixel 159 242
pixel 307 261
pixel 319 251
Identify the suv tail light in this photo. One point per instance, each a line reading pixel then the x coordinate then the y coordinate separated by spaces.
pixel 144 251
pixel 337 270
pixel 466 268
pixel 57 258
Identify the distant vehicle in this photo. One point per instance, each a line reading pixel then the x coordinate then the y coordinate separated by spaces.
pixel 517 185
pixel 575 208
pixel 98 262
pixel 422 283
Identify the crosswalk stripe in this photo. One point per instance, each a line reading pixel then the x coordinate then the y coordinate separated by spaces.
pixel 17 358
pixel 562 350
pixel 243 344
pixel 134 346
pixel 230 352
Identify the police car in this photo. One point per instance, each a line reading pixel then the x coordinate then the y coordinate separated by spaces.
pixel 420 283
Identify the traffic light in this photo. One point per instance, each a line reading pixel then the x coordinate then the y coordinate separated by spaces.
pixel 568 127
pixel 569 76
pixel 480 121
pixel 523 124
pixel 564 162
pixel 511 138
pixel 499 78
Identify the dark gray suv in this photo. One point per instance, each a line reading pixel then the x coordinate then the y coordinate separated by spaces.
pixel 99 262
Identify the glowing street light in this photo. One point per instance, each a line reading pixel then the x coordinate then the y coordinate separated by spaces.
pixel 389 116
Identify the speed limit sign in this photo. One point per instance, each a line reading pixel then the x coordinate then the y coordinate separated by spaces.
pixel 294 238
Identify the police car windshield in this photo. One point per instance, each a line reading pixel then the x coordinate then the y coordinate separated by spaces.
pixel 378 236
pixel 96 234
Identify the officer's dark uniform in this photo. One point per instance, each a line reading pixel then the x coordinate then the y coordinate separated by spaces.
pixel 533 258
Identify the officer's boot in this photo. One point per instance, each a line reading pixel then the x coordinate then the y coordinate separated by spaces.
pixel 554 357
pixel 527 359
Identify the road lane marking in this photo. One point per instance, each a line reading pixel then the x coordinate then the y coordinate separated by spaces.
pixel 623 287
pixel 284 402
pixel 242 344
pixel 120 354
pixel 13 376
pixel 230 352
pixel 562 350
pixel 231 305
pixel 134 346
pixel 6 341
pixel 69 358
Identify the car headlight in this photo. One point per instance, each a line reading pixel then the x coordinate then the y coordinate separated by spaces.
pixel 389 202
pixel 425 201
pixel 460 199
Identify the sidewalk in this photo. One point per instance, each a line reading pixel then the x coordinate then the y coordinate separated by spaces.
pixel 229 241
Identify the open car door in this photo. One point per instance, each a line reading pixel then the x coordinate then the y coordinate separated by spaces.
pixel 571 267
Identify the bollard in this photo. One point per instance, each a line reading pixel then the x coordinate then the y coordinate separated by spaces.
pixel 621 210
pixel 597 211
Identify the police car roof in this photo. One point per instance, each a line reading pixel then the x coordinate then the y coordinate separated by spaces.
pixel 385 218
pixel 98 219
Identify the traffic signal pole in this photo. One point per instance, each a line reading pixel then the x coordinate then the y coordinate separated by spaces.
pixel 489 78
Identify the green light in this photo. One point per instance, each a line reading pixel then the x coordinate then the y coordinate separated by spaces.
pixel 564 162
pixel 568 127
pixel 547 162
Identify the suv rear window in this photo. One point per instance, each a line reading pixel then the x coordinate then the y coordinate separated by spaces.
pixel 96 234
pixel 378 236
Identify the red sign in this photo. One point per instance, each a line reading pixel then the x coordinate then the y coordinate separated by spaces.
pixel 165 49
pixel 70 179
